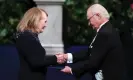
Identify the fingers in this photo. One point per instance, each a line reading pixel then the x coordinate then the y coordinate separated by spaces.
pixel 60 58
pixel 67 69
pixel 63 55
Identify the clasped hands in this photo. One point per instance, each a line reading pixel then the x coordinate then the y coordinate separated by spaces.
pixel 62 58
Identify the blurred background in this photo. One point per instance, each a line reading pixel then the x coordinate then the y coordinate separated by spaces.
pixel 75 25
pixel 75 29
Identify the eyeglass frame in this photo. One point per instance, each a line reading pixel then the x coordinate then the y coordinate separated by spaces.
pixel 90 18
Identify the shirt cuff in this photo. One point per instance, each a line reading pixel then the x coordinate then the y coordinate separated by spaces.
pixel 70 58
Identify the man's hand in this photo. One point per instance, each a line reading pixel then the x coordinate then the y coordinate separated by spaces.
pixel 61 58
pixel 67 69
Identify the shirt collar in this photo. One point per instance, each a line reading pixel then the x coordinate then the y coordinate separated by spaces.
pixel 101 25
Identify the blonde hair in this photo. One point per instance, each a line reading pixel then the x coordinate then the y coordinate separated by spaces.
pixel 97 8
pixel 30 20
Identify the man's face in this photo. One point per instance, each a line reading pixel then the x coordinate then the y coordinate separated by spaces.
pixel 92 19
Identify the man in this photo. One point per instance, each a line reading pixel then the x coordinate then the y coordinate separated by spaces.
pixel 105 59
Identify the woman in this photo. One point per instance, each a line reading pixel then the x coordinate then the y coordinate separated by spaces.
pixel 33 61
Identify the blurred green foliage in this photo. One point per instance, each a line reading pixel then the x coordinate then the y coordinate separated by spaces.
pixel 10 13
pixel 75 24
pixel 75 21
pixel 79 33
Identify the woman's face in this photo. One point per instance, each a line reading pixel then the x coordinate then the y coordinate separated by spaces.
pixel 43 22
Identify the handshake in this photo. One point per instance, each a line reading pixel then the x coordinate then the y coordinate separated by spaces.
pixel 61 58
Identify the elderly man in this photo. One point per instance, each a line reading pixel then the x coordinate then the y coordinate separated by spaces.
pixel 105 58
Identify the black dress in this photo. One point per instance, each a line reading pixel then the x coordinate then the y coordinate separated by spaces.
pixel 33 59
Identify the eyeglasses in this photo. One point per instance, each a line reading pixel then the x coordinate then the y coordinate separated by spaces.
pixel 90 18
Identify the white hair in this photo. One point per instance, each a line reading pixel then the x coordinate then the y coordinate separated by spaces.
pixel 97 8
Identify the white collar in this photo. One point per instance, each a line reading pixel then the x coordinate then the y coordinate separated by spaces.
pixel 102 25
